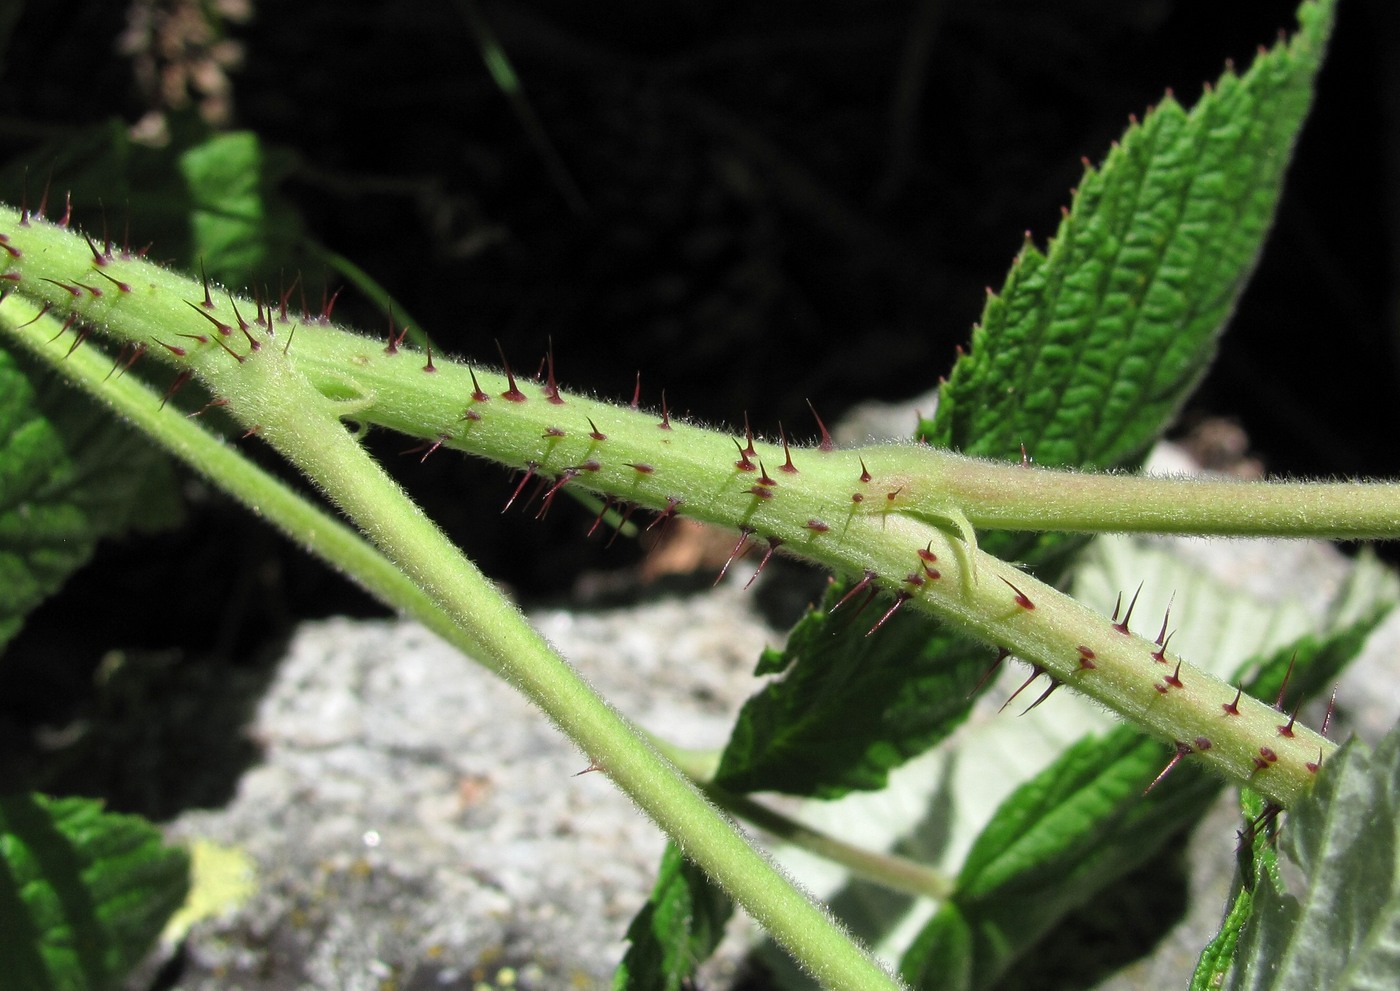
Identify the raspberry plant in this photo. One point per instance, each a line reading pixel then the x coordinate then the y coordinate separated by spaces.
pixel 1083 357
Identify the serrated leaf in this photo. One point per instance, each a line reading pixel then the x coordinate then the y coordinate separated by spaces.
pixel 1258 866
pixel 1084 822
pixel 70 475
pixel 1342 931
pixel 675 931
pixel 1085 357
pixel 850 707
pixel 1090 348
pixel 83 893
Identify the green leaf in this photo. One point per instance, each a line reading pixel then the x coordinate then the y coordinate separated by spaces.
pixel 1258 867
pixel 676 930
pixel 207 199
pixel 83 893
pixel 1067 834
pixel 70 475
pixel 1342 930
pixel 851 707
pixel 1091 347
pixel 1085 357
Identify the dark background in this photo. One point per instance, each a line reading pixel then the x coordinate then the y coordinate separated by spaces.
pixel 751 204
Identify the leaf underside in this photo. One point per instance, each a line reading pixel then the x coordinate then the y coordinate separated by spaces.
pixel 1342 929
pixel 1063 837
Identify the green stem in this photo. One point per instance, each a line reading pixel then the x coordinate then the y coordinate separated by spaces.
pixel 885 869
pixel 460 603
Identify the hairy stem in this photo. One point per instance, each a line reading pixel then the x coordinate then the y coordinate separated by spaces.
pixel 304 426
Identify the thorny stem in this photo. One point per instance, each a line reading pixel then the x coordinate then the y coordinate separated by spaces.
pixel 893 512
pixel 304 426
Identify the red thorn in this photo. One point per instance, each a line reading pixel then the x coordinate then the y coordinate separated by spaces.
pixel 136 353
pixel 926 553
pixel 1265 760
pixel 1054 684
pixel 429 367
pixel 286 348
pixel 607 504
pixel 637 392
pixel 589 770
pixel 640 467
pixel 1160 654
pixel 859 586
pixel 1002 654
pixel 1182 750
pixel 208 299
pixel 83 334
pixel 864 471
pixel 282 308
pixel 512 393
pixel 1036 672
pixel 180 380
pixel 223 328
pixel 555 432
pixel 665 423
pixel 1174 679
pixel 899 600
pixel 740 549
pixel 1022 599
pixel 1331 705
pixel 1233 708
pixel 816 526
pixel 477 395
pixel 38 316
pixel 530 467
pixel 826 443
pixel 73 291
pixel 394 339
pixel 787 464
pixel 1025 458
pixel 98 257
pixel 1313 765
pixel 666 515
pixel 748 450
pixel 230 351
pixel 568 475
pixel 328 304
pixel 857 497
pixel 72 319
pixel 1127 617
pixel 428 448
pixel 67 217
pixel 551 388
pixel 1117 604
pixel 743 464
pixel 211 404
pixel 760 492
pixel 1086 658
pixel 597 434
pixel 893 494
pixel 1160 642
pixel 773 544
pixel 177 352
pixel 1278 702
pixel 1287 728
pixel 242 324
